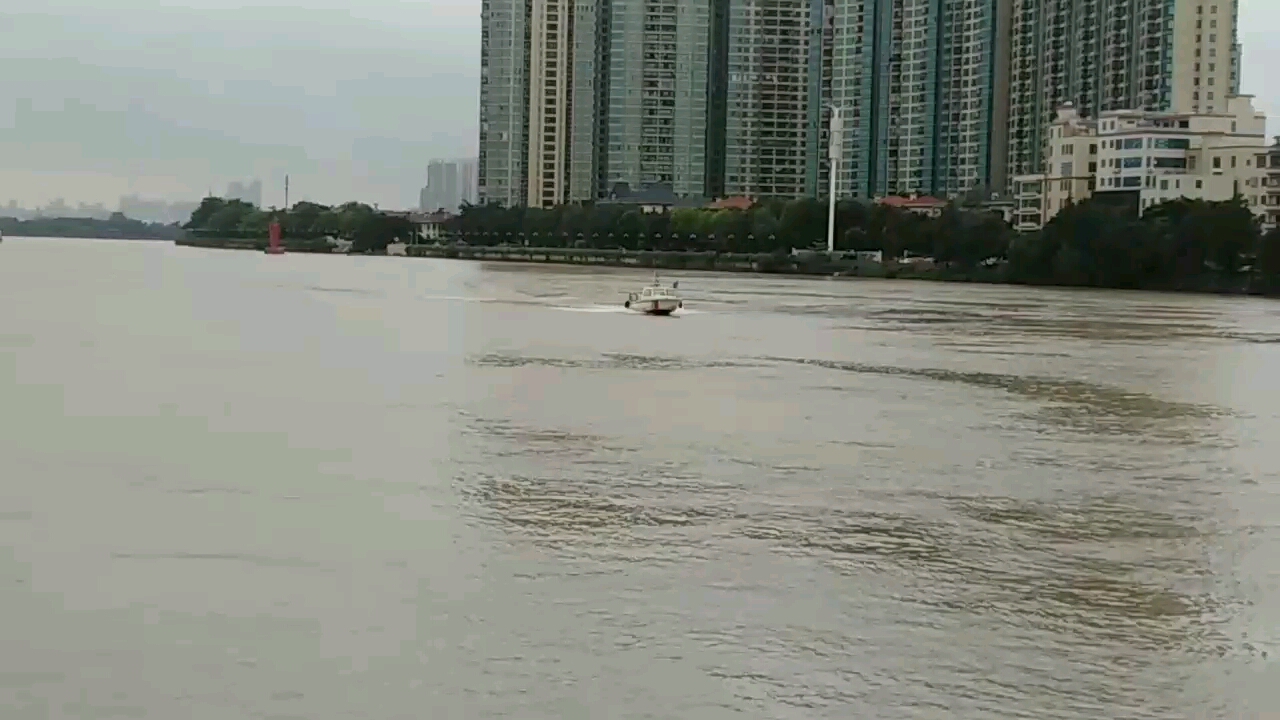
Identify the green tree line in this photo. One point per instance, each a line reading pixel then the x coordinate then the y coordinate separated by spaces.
pixel 364 226
pixel 115 227
pixel 1179 245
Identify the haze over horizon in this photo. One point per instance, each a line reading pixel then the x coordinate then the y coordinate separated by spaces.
pixel 351 102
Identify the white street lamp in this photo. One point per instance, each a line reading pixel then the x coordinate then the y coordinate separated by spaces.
pixel 835 146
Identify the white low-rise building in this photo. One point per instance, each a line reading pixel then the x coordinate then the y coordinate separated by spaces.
pixel 1270 163
pixel 1142 159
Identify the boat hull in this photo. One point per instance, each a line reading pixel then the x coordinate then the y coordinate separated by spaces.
pixel 660 306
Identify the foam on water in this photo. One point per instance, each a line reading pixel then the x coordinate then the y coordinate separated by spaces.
pixel 591 308
pixel 456 298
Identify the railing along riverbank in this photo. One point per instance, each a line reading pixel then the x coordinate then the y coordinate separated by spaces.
pixel 799 263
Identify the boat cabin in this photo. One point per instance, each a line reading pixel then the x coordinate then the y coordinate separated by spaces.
pixel 654 292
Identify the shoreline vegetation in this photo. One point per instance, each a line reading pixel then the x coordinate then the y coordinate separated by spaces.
pixel 1179 246
pixel 116 227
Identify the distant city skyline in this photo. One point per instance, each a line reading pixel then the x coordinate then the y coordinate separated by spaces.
pixel 351 101
pixel 450 183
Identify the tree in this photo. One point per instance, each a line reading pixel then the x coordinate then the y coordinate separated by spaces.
pixel 1267 263
pixel 1182 244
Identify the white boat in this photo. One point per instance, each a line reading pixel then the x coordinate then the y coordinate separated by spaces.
pixel 656 299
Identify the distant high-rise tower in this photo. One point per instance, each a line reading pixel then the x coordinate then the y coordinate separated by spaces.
pixel 445 186
pixel 467 172
pixel 246 192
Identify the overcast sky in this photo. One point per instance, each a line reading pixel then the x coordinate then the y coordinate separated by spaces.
pixel 352 99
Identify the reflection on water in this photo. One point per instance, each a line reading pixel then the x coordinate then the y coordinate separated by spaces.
pixel 608 361
pixel 1098 398
pixel 318 487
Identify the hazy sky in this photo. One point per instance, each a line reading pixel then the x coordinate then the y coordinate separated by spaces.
pixel 350 98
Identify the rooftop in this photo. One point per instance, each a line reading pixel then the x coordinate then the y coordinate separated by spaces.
pixel 910 203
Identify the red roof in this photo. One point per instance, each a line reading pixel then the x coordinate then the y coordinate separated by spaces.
pixel 906 203
pixel 738 202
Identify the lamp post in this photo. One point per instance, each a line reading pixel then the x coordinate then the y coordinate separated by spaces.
pixel 835 145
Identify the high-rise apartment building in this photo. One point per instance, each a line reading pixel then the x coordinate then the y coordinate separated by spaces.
pixel 550 107
pixel 770 141
pixel 504 102
pixel 1105 55
pixel 658 89
pixel 589 102
pixel 920 84
pixel 540 96
pixel 732 97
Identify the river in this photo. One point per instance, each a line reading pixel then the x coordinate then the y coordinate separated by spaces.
pixel 242 486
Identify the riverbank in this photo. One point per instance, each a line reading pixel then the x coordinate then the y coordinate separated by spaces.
pixel 803 264
pixel 295 245
pixel 117 227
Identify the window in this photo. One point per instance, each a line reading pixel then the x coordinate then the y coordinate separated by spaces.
pixel 1131 181
pixel 1217 163
pixel 1199 184
pixel 1164 184
pixel 1172 144
pixel 1171 163
pixel 1066 169
pixel 1131 162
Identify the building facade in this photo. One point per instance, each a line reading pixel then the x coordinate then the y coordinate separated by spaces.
pixel 920 83
pixel 1271 185
pixel 733 97
pixel 504 102
pixel 1146 158
pixel 767 124
pixel 1103 55
pixel 1071 169
pixel 657 112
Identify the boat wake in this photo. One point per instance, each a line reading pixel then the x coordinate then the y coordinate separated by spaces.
pixel 591 309
pixel 457 298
